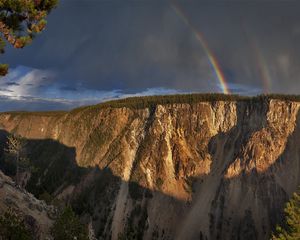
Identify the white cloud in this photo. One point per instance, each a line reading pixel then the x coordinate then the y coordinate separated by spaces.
pixel 23 81
pixel 34 89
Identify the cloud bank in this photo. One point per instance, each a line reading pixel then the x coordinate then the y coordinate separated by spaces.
pixel 95 50
pixel 32 89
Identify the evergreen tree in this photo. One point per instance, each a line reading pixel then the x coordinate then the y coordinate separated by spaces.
pixel 291 230
pixel 69 227
pixel 20 21
pixel 12 227
pixel 16 150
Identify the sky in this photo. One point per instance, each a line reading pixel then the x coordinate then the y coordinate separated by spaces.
pixel 96 50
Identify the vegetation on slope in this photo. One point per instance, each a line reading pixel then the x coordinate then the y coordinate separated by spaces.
pixel 291 228
pixel 151 101
pixel 69 227
pixel 12 226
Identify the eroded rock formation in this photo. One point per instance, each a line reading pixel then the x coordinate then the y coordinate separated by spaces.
pixel 37 215
pixel 206 170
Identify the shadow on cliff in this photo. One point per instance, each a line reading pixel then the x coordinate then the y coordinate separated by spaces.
pixel 91 191
pixel 53 164
pixel 262 195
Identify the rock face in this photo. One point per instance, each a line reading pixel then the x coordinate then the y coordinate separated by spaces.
pixel 36 214
pixel 206 170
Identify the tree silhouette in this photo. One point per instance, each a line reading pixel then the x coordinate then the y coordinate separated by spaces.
pixel 16 147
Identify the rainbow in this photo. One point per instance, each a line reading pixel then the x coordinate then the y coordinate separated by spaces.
pixel 263 68
pixel 211 57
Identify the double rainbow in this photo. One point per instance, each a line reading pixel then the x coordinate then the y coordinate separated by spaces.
pixel 211 57
pixel 263 68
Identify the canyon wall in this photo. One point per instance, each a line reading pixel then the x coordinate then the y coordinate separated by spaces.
pixel 206 170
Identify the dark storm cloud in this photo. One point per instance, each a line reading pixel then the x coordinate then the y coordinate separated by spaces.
pixel 115 45
pixel 131 46
pixel 11 84
pixel 67 88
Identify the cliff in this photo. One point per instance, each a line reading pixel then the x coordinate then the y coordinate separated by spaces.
pixel 208 169
pixel 38 216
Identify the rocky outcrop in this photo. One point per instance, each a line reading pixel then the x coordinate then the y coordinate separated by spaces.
pixel 208 170
pixel 36 214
